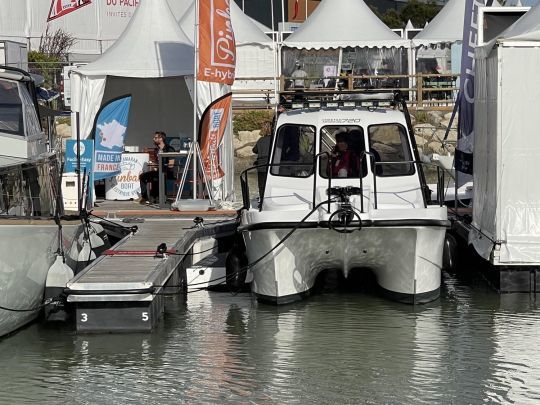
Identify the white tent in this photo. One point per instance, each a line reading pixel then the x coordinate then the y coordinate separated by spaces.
pixel 446 26
pixel 506 212
pixel 255 55
pixel 150 60
pixel 341 24
pixel 342 37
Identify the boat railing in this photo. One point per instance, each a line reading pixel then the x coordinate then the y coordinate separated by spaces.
pixel 244 184
pixel 30 189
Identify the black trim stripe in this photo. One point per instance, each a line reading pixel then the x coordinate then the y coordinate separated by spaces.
pixel 421 298
pixel 385 223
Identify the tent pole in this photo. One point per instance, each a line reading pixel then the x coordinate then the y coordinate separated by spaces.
pixel 283 15
pixel 272 16
pixel 195 95
pixel 79 194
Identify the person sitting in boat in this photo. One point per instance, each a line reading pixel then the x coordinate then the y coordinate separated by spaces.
pixel 344 161
pixel 152 176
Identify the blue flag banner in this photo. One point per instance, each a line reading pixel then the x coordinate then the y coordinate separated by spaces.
pixel 109 134
pixel 465 101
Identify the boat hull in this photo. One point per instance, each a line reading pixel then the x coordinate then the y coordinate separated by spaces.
pixel 27 251
pixel 406 261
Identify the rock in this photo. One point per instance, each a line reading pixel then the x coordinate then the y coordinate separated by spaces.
pixel 439 135
pixel 63 130
pixel 245 151
pixel 446 122
pixel 452 136
pixel 249 136
pixel 434 116
pixel 420 141
pixel 424 130
pixel 435 147
pixel 237 144
pixel 447 116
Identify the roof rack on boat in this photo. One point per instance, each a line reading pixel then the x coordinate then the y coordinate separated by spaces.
pixel 306 99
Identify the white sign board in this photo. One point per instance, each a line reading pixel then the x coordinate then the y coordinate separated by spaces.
pixel 126 185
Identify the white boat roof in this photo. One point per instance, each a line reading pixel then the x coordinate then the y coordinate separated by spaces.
pixel 360 116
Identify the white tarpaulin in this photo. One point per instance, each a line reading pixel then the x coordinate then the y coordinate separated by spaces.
pixel 341 24
pixel 95 27
pixel 506 209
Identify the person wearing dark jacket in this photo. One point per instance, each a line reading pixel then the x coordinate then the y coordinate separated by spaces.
pixel 262 150
pixel 152 176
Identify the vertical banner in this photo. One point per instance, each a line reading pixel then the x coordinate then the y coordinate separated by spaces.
pixel 60 8
pixel 109 132
pixel 216 43
pixel 465 143
pixel 211 131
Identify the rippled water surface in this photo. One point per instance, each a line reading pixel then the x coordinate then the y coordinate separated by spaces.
pixel 471 346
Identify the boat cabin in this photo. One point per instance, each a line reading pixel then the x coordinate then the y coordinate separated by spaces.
pixel 20 130
pixel 362 144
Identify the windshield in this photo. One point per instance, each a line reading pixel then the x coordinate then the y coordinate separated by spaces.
pixel 11 108
pixel 294 151
pixel 345 145
pixel 389 143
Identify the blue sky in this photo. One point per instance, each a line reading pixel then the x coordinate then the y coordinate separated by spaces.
pixel 529 2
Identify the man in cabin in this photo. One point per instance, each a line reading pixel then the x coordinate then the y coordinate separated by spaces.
pixel 152 176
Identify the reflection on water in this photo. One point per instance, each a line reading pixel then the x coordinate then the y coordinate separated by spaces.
pixel 471 346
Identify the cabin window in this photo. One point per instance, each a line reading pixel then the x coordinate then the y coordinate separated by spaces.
pixel 345 145
pixel 389 143
pixel 11 108
pixel 294 151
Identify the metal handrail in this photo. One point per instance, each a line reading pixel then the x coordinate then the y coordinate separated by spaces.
pixel 440 179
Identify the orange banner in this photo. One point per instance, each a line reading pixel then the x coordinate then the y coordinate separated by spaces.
pixel 211 131
pixel 217 48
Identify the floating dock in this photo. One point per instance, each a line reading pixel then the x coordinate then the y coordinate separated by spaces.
pixel 122 290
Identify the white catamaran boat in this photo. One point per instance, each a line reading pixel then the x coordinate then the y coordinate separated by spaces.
pixel 29 203
pixel 344 190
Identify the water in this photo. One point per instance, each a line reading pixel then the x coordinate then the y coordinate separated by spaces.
pixel 471 346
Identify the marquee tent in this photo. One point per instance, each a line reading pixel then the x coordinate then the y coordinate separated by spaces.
pixel 506 145
pixel 441 39
pixel 150 60
pixel 344 36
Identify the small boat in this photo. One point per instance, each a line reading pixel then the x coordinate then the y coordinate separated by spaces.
pixel 360 207
pixel 32 229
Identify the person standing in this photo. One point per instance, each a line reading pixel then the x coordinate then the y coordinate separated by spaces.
pixel 299 76
pixel 152 176
pixel 262 150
